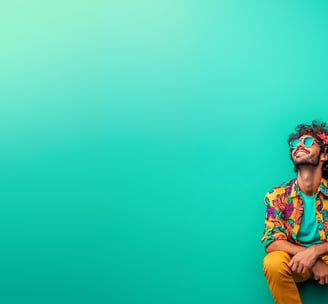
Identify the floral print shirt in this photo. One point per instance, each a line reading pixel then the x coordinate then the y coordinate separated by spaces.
pixel 284 209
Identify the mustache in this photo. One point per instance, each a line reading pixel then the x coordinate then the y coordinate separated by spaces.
pixel 300 149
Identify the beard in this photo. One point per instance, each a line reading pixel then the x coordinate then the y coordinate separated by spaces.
pixel 312 161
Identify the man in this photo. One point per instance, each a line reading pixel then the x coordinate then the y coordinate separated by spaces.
pixel 296 223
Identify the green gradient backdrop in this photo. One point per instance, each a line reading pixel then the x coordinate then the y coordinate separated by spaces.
pixel 138 139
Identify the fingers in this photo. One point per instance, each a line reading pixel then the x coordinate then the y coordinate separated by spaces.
pixel 322 280
pixel 298 268
pixel 291 263
pixel 294 267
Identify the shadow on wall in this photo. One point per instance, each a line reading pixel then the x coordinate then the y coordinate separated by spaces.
pixel 312 292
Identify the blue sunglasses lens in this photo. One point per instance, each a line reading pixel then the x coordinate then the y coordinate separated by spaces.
pixel 294 143
pixel 308 141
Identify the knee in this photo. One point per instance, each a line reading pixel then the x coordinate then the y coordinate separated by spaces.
pixel 276 263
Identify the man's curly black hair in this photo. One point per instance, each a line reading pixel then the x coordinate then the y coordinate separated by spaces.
pixel 314 130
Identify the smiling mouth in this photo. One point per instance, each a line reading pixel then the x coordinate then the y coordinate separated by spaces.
pixel 300 152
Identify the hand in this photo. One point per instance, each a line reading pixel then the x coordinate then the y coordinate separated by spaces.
pixel 320 271
pixel 303 261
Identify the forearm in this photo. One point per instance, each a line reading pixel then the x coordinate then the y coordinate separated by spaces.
pixel 282 245
pixel 320 249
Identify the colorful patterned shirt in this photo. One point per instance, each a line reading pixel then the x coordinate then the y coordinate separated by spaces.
pixel 284 210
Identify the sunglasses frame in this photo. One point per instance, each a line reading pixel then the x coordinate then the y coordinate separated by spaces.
pixel 296 141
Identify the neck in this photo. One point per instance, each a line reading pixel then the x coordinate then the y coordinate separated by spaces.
pixel 308 179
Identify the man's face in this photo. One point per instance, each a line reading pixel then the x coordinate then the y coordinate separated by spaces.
pixel 306 156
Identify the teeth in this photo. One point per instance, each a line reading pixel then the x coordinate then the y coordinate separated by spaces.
pixel 300 153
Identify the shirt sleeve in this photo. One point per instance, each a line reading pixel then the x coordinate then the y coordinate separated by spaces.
pixel 274 225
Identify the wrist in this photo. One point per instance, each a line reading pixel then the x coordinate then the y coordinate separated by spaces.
pixel 320 249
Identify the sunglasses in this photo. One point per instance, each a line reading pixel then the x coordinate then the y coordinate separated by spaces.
pixel 307 142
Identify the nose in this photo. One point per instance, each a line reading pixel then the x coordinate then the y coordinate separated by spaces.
pixel 301 142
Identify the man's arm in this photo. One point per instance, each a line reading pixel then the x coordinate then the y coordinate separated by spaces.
pixel 275 228
pixel 303 258
pixel 320 249
pixel 282 245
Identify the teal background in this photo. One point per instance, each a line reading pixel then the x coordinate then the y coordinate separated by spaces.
pixel 138 139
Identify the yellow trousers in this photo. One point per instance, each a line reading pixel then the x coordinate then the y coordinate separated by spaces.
pixel 281 280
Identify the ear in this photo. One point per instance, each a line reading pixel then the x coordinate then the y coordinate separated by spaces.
pixel 324 157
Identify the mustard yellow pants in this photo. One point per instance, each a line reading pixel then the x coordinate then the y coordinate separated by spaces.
pixel 281 280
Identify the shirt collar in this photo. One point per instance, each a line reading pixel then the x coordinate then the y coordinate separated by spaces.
pixel 295 191
pixel 324 187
